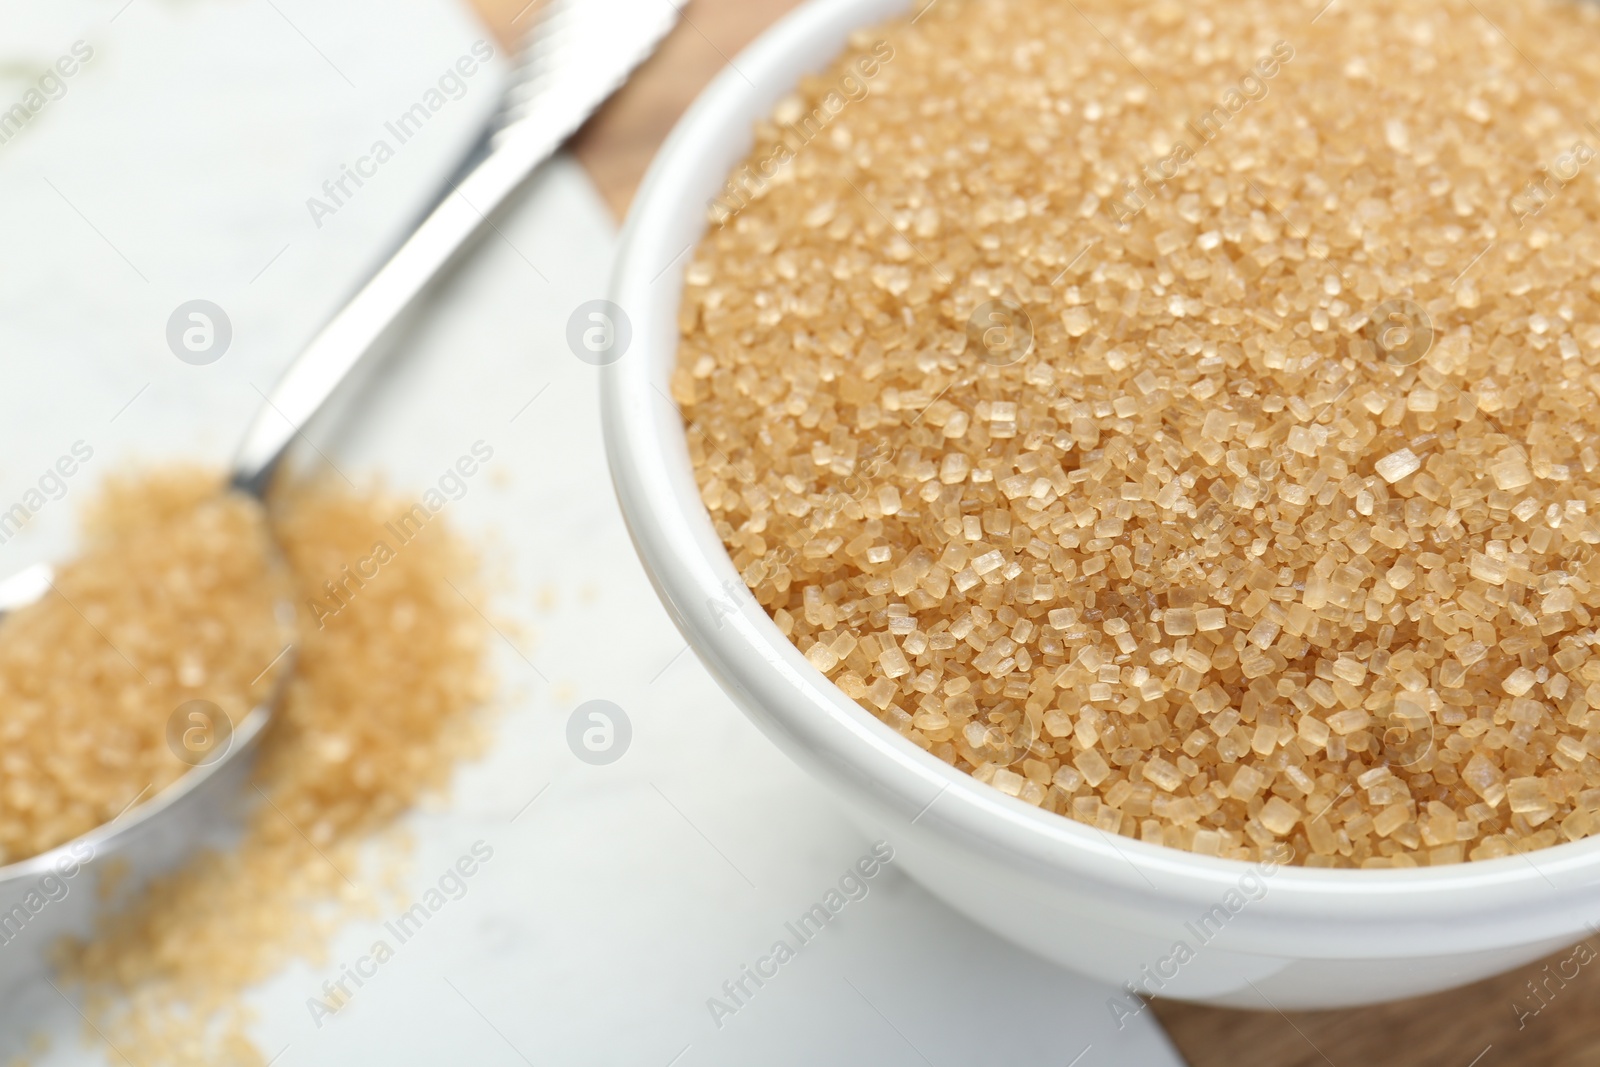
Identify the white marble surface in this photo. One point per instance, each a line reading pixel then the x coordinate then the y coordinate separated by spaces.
pixel 623 897
pixel 177 166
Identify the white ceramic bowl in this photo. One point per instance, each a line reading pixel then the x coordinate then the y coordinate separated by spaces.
pixel 1109 907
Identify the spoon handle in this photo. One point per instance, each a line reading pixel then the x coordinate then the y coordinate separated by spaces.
pixel 576 54
pixel 334 352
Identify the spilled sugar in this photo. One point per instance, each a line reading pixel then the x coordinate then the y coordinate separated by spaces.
pixel 377 712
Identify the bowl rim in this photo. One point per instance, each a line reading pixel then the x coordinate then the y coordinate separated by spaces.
pixel 691 570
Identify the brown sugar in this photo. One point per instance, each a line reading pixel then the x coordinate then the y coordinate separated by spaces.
pixel 1185 418
pixel 376 714
pixel 171 600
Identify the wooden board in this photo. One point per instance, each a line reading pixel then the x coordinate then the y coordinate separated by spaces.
pixel 617 145
pixel 1473 1027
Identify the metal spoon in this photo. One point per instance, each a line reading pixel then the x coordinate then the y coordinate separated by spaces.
pixel 574 55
